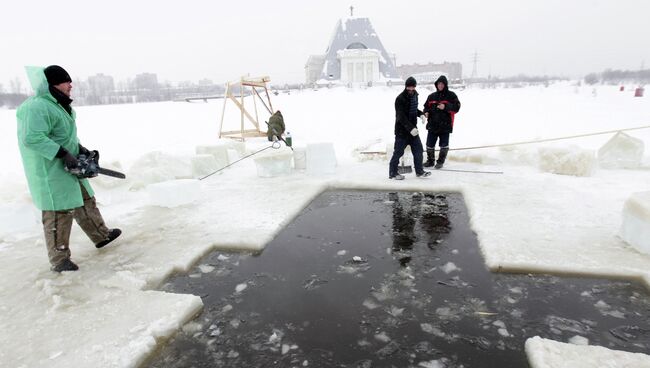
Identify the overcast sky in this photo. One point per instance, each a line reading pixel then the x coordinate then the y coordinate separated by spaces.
pixel 221 40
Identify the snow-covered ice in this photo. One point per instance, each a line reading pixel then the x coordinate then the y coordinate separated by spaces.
pixel 106 314
pixel 174 193
pixel 544 353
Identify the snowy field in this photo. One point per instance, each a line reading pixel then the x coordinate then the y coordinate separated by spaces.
pixel 108 313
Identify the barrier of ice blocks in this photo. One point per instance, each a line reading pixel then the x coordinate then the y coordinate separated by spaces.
pixel 321 158
pixel 621 152
pixel 567 161
pixel 174 193
pixel 274 163
pixel 203 165
pixel 299 158
pixel 219 151
pixel 636 222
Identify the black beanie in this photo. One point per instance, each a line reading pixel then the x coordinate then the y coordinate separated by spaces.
pixel 56 75
pixel 410 82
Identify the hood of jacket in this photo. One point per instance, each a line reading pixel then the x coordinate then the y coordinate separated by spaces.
pixel 37 80
pixel 442 79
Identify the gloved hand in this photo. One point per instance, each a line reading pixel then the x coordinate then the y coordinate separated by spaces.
pixel 83 150
pixel 414 132
pixel 86 152
pixel 69 160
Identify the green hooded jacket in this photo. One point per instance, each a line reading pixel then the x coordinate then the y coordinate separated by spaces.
pixel 44 126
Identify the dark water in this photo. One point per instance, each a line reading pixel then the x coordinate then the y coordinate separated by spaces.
pixel 419 296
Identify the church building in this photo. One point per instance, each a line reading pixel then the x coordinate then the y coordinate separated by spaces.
pixel 354 56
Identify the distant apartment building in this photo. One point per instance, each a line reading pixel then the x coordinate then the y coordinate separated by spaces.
pixel 428 73
pixel 147 88
pixel 100 88
pixel 146 81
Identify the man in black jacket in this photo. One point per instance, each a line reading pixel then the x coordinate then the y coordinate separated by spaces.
pixel 440 108
pixel 406 131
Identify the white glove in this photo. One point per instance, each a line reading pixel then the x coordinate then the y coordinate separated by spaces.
pixel 414 132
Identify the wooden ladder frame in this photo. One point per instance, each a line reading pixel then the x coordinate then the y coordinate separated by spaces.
pixel 244 83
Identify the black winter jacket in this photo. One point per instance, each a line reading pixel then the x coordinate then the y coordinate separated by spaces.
pixel 403 125
pixel 441 121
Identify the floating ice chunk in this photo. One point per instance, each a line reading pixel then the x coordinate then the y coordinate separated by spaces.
pixel 601 305
pixel 395 312
pixel 382 336
pixel 241 287
pixel 235 323
pixel 370 304
pixel 203 165
pixel 502 328
pixel 621 152
pixel 274 163
pixel 274 337
pixel 341 252
pixel 285 348
pixel 516 290
pixel 206 268
pixel 449 267
pixel 357 259
pixel 428 328
pixel 226 308
pixel 579 340
pixel 567 161
pixel 174 193
pixel 222 257
pixel 432 364
pixel 364 342
pixel 192 327
pixel 636 222
pixel 321 158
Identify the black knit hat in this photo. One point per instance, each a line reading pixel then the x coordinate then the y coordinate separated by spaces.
pixel 410 82
pixel 56 75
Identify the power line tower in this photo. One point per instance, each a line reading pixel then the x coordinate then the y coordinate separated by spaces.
pixel 474 63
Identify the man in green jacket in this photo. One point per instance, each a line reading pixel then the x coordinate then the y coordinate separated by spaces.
pixel 47 139
pixel 275 127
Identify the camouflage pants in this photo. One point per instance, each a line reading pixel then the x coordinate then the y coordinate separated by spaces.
pixel 58 224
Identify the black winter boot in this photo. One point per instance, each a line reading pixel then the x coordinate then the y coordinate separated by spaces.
pixel 65 265
pixel 112 235
pixel 431 158
pixel 442 157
